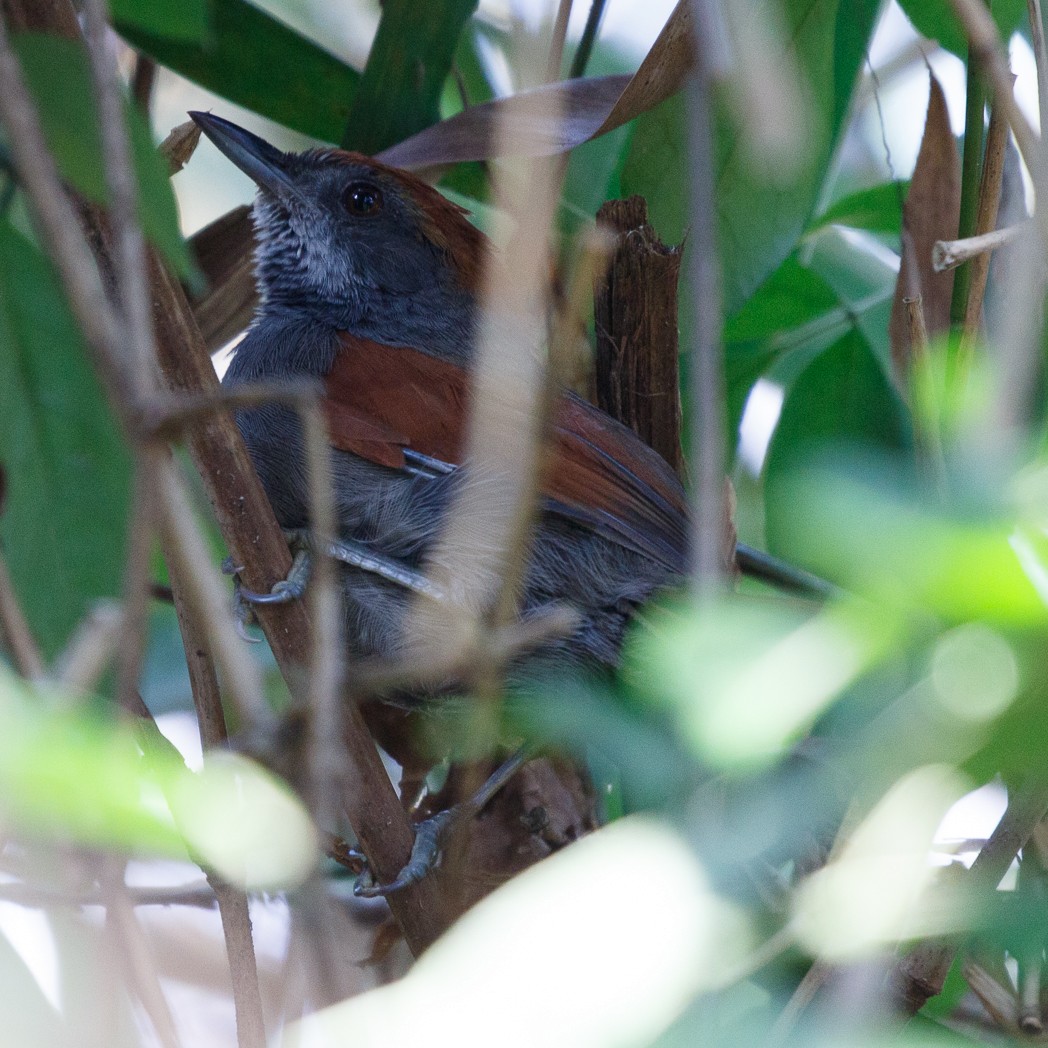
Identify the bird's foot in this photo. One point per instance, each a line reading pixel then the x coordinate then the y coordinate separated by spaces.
pixel 432 834
pixel 426 854
pixel 294 586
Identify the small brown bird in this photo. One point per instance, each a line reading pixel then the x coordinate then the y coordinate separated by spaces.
pixel 370 282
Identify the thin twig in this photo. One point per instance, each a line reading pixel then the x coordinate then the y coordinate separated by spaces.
pixel 986 220
pixel 708 452
pixel 140 970
pixel 89 651
pixel 15 631
pixel 187 552
pixel 556 47
pixel 138 348
pixel 985 45
pixel 947 254
pixel 327 667
pixel 232 903
pixel 170 414
pixel 588 39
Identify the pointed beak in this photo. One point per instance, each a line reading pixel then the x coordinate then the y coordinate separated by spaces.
pixel 260 161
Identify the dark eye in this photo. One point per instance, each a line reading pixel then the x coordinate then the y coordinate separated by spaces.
pixel 362 198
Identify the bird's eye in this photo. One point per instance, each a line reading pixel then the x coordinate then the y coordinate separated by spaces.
pixel 362 198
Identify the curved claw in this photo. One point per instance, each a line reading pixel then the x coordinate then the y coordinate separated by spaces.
pixel 278 595
pixel 425 857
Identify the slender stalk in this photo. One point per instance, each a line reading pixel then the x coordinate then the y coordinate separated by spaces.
pixel 986 220
pixel 15 631
pixel 971 177
pixel 708 451
pixel 232 903
pixel 588 39
pixel 556 47
pixel 326 670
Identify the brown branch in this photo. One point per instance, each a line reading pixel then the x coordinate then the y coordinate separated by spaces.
pixel 143 80
pixel 232 903
pixel 986 220
pixel 244 514
pixel 635 317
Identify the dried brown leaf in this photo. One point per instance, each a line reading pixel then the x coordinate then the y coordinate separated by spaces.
pixel 180 145
pixel 931 213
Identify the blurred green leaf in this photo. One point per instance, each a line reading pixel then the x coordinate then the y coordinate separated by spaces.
pixel 936 20
pixel 761 211
pixel 256 61
pixel 793 295
pixel 70 122
pixel 577 715
pixel 853 521
pixel 68 772
pixel 842 398
pixel 68 471
pixel 877 209
pixel 856 20
pixel 747 679
pixel 188 20
pixel 399 91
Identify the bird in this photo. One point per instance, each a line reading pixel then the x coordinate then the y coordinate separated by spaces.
pixel 370 282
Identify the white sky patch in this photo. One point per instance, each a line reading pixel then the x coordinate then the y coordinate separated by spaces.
pixel 759 419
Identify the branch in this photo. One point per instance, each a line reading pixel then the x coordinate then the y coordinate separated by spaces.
pixel 240 505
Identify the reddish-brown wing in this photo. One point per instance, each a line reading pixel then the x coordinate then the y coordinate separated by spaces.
pixel 382 400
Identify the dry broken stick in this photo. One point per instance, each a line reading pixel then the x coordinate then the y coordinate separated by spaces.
pixel 635 318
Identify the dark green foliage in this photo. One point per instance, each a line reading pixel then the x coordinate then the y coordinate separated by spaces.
pixel 66 464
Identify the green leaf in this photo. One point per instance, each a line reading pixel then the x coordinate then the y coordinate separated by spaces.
pixel 258 62
pixel 842 398
pixel 855 22
pixel 877 209
pixel 761 213
pixel 399 92
pixel 65 518
pixel 791 296
pixel 936 20
pixel 188 20
pixel 69 118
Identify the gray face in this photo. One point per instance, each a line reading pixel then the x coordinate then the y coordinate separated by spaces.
pixel 346 240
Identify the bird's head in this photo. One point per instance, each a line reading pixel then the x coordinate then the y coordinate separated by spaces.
pixel 340 234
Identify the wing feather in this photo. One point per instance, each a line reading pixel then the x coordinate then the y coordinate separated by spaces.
pixel 382 401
